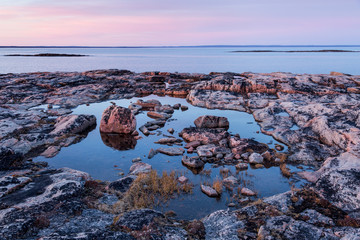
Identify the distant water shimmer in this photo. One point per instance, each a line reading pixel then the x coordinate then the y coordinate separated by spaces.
pixel 187 59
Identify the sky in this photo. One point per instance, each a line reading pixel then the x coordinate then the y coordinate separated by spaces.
pixel 178 22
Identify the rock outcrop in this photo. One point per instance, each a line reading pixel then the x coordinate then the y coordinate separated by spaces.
pixel 117 120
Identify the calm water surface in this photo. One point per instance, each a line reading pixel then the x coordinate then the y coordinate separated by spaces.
pixel 93 156
pixel 185 59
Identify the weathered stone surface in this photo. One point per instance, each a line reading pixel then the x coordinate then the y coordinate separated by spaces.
pixel 123 184
pixel 242 166
pixel 172 151
pixel 222 225
pixel 150 224
pixel 73 124
pixel 209 191
pixel 117 120
pixel 209 121
pixel 139 168
pixel 205 150
pixel 192 162
pixel 247 192
pixel 168 140
pixel 256 158
pixel 205 136
pixel 160 115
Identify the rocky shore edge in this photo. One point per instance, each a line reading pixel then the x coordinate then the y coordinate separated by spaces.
pixel 316 115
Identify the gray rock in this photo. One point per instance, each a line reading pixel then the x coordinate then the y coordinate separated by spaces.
pixel 123 184
pixel 222 225
pixel 152 153
pixel 241 166
pixel 209 191
pixel 172 151
pixel 205 150
pixel 256 158
pixel 73 124
pixel 192 162
pixel 139 168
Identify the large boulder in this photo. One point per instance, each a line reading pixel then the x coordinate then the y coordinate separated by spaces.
pixel 209 121
pixel 117 120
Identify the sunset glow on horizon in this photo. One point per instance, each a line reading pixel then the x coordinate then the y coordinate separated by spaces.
pixel 167 23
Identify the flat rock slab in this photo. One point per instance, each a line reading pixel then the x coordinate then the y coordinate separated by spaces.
pixel 192 162
pixel 209 191
pixel 172 151
pixel 139 168
pixel 73 124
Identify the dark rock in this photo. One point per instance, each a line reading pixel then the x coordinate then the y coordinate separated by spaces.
pixel 196 229
pixel 9 159
pixel 123 184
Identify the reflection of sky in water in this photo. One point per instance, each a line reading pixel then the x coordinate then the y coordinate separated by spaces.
pixel 93 156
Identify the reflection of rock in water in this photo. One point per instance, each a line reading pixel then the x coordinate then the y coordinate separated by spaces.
pixel 119 141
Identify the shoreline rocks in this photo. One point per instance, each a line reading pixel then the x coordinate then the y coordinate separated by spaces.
pixel 314 115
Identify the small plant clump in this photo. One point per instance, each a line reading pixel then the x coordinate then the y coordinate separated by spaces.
pixel 217 185
pixel 149 190
pixel 285 171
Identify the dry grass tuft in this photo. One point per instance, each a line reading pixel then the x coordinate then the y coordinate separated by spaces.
pixel 285 171
pixel 149 190
pixel 217 185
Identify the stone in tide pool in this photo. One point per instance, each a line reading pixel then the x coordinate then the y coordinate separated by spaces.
pixel 209 121
pixel 172 151
pixel 192 162
pixel 117 120
pixel 209 191
pixel 247 192
pixel 139 167
pixel 256 158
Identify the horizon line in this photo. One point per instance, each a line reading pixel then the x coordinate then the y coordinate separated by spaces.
pixel 180 46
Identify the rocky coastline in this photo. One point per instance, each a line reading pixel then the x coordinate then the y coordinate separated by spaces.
pixel 316 116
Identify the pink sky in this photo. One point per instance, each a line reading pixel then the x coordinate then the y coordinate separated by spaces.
pixel 166 22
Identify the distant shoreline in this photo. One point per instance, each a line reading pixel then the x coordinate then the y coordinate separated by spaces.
pixel 295 51
pixel 46 55
pixel 191 46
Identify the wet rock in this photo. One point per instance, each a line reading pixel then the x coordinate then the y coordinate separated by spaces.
pixel 184 108
pixel 230 180
pixel 183 179
pixel 73 124
pixel 168 140
pixel 242 145
pixel 152 153
pixel 51 151
pixel 171 130
pixel 247 192
pixel 139 168
pixel 135 108
pixel 209 191
pixel 193 144
pixel 123 184
pixel 177 106
pixel 209 121
pixel 205 150
pixel 148 105
pixel 138 159
pixel 172 151
pixel 222 225
pixel 192 162
pixel 157 115
pixel 144 130
pixel 117 120
pixel 256 158
pixel 241 166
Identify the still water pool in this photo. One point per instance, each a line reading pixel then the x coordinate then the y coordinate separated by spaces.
pixel 105 163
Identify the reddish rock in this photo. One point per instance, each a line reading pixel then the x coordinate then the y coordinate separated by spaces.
pixel 117 120
pixel 203 135
pixel 209 121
